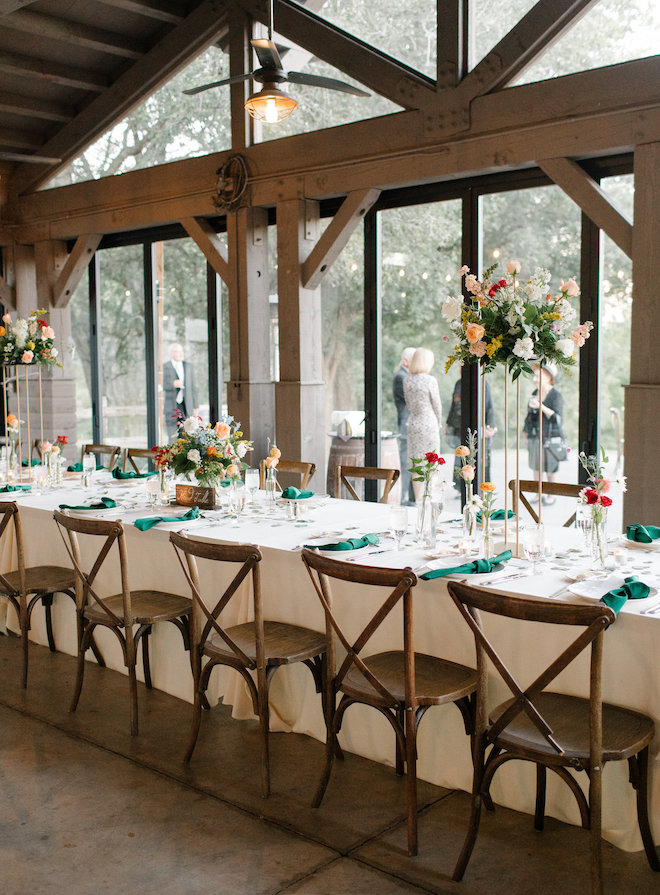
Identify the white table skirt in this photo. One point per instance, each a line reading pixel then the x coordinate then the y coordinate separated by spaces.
pixel 631 673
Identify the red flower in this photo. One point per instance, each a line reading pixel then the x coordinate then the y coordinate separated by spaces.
pixel 606 501
pixel 432 457
pixel 591 495
pixel 62 439
pixel 441 460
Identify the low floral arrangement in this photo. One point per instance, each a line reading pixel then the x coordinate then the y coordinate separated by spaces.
pixel 511 322
pixel 205 454
pixel 424 469
pixel 56 447
pixel 28 342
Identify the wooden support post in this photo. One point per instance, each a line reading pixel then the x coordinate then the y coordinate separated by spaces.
pixel 76 264
pixel 250 395
pixel 210 245
pixel 50 257
pixel 8 279
pixel 642 417
pixel 300 393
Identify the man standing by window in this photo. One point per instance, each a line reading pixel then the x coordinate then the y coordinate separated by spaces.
pixel 179 389
pixel 402 413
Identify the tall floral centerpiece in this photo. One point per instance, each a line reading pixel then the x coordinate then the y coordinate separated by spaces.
pixel 595 495
pixel 426 470
pixel 204 456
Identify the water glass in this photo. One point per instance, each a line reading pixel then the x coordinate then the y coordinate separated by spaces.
pixel 252 482
pixel 534 544
pixel 89 468
pixel 152 487
pixel 237 498
pixel 584 522
pixel 398 524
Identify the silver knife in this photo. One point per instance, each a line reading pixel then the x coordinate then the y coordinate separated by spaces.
pixel 505 578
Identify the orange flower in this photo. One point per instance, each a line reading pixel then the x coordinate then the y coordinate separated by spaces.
pixel 275 452
pixel 487 486
pixel 462 451
pixel 11 420
pixel 2 330
pixel 272 462
pixel 211 451
pixel 222 430
pixel 474 332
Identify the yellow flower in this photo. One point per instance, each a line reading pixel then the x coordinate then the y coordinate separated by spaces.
pixel 462 451
pixel 487 486
pixel 494 346
pixel 30 345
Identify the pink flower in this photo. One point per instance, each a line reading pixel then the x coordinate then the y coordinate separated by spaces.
pixel 570 287
pixel 478 349
pixel 514 267
pixel 472 283
pixel 6 318
pixel 445 338
pixel 474 332
pixel 222 430
pixel 578 338
pixel 468 473
pixel 604 485
pixel 48 332
pixel 27 357
pixel 465 269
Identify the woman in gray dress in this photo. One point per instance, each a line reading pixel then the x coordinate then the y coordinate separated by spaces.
pixel 423 400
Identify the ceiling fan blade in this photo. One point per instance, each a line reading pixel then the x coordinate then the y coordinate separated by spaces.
pixel 233 80
pixel 299 77
pixel 23 157
pixel 267 53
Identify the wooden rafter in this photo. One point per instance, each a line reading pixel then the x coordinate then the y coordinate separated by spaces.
pixel 210 245
pixel 53 73
pixel 175 50
pixel 336 235
pixel 159 10
pixel 7 6
pixel 76 264
pixel 34 108
pixel 586 193
pixel 73 34
pixel 452 53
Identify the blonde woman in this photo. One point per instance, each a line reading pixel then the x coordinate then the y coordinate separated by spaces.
pixel 423 400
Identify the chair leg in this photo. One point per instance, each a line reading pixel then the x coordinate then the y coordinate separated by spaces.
pixel 333 722
pixel 639 767
pixel 595 832
pixel 87 635
pixel 399 766
pixel 24 624
pixel 47 600
pixel 132 682
pixel 411 780
pixel 264 724
pixel 145 659
pixel 475 812
pixel 541 782
pixel 194 729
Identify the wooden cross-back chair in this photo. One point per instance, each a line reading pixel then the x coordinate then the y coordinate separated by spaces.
pixel 112 451
pixel 401 684
pixel 27 586
pixel 258 647
pixel 119 612
pixel 294 467
pixel 343 473
pixel 554 489
pixel 133 454
pixel 553 730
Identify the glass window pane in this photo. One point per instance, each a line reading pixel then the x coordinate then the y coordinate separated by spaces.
pixel 418 272
pixel 81 366
pixel 123 347
pixel 490 20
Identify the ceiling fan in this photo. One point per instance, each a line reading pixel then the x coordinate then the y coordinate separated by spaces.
pixel 270 103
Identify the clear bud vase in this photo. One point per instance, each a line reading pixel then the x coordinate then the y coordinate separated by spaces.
pixel 426 524
pixel 164 486
pixel 599 536
pixel 487 547
pixel 12 461
pixel 59 463
pixel 271 486
pixel 469 517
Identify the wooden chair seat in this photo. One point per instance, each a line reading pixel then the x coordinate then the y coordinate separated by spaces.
pixel 625 732
pixel 147 608
pixel 283 644
pixel 437 681
pixel 43 580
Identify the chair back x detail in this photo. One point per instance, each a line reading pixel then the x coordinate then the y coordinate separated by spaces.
pixel 374 473
pixel 292 467
pixel 553 489
pixel 553 730
pixel 110 450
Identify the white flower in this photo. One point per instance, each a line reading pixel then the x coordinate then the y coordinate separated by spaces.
pixel 241 450
pixel 533 293
pixel 54 352
pixel 566 309
pixel 452 308
pixel 566 346
pixel 524 348
pixel 514 315
pixel 21 333
pixel 48 332
pixel 191 425
pixel 194 456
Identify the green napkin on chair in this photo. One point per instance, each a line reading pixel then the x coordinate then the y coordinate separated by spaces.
pixel 475 567
pixel 296 494
pixel 118 474
pixel 643 534
pixel 348 544
pixel 631 589
pixel 497 515
pixel 78 467
pixel 31 463
pixel 150 521
pixel 7 488
pixel 105 503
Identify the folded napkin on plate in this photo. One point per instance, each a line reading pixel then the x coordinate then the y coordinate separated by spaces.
pixel 7 488
pixel 348 544
pixel 118 474
pixel 105 503
pixel 475 567
pixel 150 521
pixel 296 494
pixel 644 534
pixel 78 467
pixel 631 589
pixel 31 463
pixel 497 515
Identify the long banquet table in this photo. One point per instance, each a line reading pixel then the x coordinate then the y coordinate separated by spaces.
pixel 631 674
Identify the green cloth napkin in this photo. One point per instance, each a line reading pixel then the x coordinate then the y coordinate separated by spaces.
pixel 31 463
pixel 644 534
pixel 118 474
pixel 476 567
pixel 348 544
pixel 105 503
pixel 7 488
pixel 150 521
pixel 497 515
pixel 296 494
pixel 631 589
pixel 78 467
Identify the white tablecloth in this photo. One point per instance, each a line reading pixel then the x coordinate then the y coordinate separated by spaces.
pixel 632 646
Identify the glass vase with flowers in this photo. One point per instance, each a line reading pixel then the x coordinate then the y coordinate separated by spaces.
pixel 467 454
pixel 272 460
pixel 487 489
pixel 427 470
pixel 595 496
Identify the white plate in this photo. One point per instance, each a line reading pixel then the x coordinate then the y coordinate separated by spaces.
pixel 594 590
pixel 654 545
pixel 89 514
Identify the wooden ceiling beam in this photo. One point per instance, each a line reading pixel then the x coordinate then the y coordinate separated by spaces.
pixel 152 9
pixel 172 53
pixel 19 139
pixel 73 33
pixel 7 6
pixel 452 53
pixel 376 70
pixel 53 72
pixel 75 266
pixel 210 245
pixel 31 107
pixel 592 199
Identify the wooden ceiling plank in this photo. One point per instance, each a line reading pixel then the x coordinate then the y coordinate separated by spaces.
pixel 73 33
pixel 210 245
pixel 19 139
pixel 167 57
pixel 31 107
pixel 334 238
pixel 542 26
pixel 161 12
pixel 593 201
pixel 53 72
pixel 76 264
pixel 376 70
pixel 7 6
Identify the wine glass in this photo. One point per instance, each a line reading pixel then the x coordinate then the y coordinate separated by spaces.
pixel 237 497
pixel 152 488
pixel 584 522
pixel 252 482
pixel 398 524
pixel 534 543
pixel 89 468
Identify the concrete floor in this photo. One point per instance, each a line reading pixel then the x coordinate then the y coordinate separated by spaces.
pixel 85 808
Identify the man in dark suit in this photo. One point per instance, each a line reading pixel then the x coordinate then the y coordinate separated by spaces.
pixel 179 389
pixel 402 413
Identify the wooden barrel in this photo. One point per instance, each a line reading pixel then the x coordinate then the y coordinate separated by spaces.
pixel 350 452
